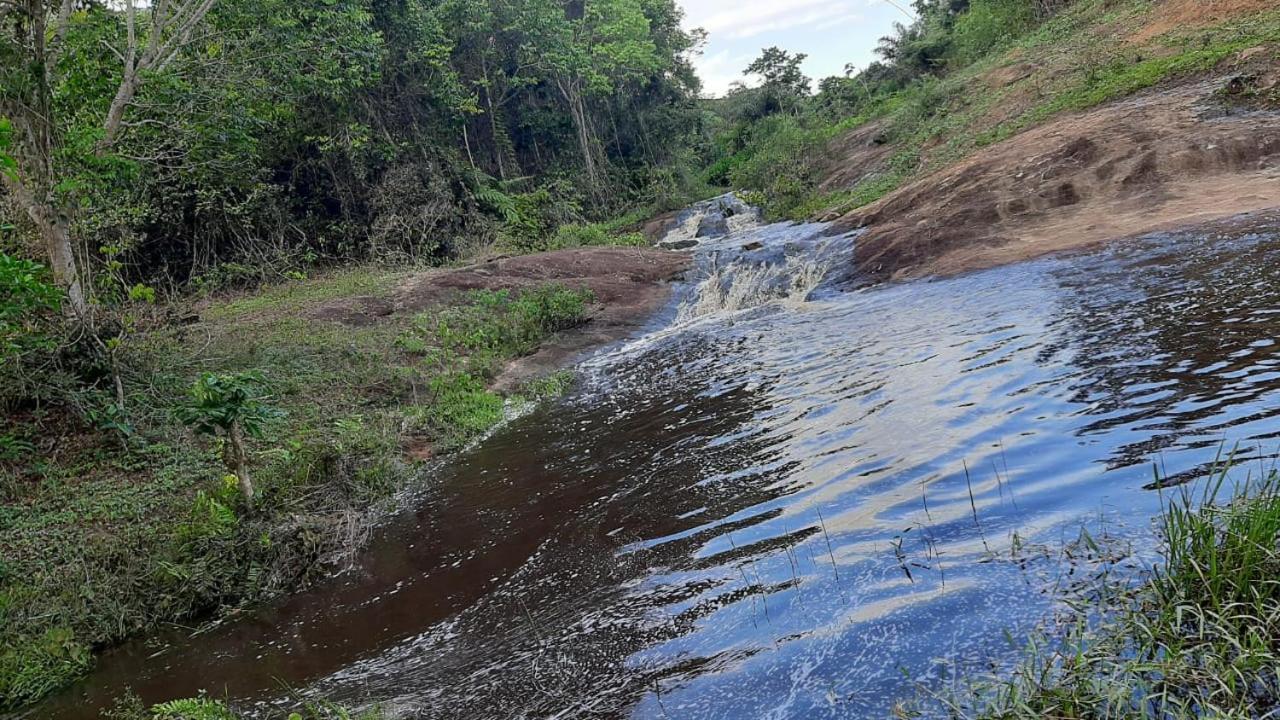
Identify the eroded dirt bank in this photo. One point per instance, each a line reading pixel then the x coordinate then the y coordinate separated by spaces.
pixel 1168 158
pixel 630 285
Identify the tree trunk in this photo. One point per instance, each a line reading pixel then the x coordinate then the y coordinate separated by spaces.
pixel 584 141
pixel 115 113
pixel 578 110
pixel 498 149
pixel 56 233
pixel 239 462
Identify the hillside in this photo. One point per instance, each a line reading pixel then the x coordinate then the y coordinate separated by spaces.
pixel 1107 119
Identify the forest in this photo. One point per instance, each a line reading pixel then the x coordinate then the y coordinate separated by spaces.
pixel 197 143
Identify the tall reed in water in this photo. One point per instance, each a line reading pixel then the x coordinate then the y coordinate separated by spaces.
pixel 1201 638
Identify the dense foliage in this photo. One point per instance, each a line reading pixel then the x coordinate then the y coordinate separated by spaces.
pixel 275 133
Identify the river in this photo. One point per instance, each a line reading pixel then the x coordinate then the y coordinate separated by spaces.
pixel 793 497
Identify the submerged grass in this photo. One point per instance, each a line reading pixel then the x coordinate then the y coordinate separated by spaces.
pixel 110 531
pixel 1200 639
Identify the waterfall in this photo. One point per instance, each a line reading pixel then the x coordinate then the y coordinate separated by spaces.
pixel 742 263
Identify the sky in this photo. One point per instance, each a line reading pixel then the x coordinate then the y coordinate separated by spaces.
pixel 831 32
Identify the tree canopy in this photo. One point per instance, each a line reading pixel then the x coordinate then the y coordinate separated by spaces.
pixel 217 140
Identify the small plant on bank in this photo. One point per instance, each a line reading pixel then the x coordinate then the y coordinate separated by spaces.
pixel 201 708
pixel 231 406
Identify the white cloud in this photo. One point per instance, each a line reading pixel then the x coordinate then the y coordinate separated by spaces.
pixel 721 69
pixel 831 32
pixel 747 18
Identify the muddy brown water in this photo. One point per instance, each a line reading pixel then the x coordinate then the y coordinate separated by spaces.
pixel 793 510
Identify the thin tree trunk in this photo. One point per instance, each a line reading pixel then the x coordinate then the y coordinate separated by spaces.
pixel 240 463
pixel 577 110
pixel 56 234
pixel 498 150
pixel 467 141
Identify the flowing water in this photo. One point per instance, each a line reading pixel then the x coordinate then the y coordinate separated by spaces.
pixel 794 498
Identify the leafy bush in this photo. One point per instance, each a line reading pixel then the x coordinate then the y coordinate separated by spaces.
pixel 532 217
pixel 780 163
pixel 990 25
pixel 27 299
pixel 415 214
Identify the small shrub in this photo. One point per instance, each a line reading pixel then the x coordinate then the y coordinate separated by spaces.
pixel 459 410
pixel 14 448
pixel 990 25
pixel 27 298
pixel 211 517
pixel 201 708
pixel 230 405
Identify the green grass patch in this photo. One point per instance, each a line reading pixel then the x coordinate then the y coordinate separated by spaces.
pixel 552 386
pixel 459 410
pixel 495 325
pixel 294 295
pixel 596 235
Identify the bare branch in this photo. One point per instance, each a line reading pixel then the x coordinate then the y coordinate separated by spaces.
pixel 170 31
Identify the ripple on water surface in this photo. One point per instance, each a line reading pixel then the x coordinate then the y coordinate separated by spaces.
pixel 794 510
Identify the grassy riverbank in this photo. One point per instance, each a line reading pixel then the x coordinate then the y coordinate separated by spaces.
pixel 112 527
pixel 1201 638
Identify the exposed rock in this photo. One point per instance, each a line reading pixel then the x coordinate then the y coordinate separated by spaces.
pixel 1151 162
pixel 714 225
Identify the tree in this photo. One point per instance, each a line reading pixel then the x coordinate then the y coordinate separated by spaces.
pixel 230 405
pixel 34 68
pixel 784 83
pixel 587 49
